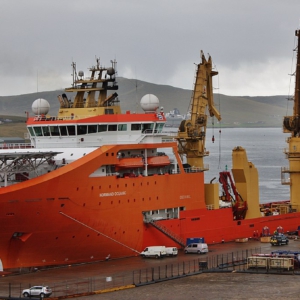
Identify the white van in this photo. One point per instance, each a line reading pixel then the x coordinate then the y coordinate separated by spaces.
pixel 171 251
pixel 196 248
pixel 154 251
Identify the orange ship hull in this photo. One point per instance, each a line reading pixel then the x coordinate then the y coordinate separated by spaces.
pixel 67 216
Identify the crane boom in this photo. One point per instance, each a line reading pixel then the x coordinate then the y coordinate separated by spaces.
pixel 192 132
pixel 291 124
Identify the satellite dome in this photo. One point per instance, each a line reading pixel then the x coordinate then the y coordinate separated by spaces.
pixel 149 103
pixel 110 71
pixel 40 106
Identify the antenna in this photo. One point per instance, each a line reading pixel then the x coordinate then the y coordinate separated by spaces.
pixel 136 92
pixel 74 73
pixel 37 81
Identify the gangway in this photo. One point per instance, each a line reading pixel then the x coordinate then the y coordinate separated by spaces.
pixel 167 232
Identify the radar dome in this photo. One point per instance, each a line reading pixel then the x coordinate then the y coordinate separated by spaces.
pixel 110 71
pixel 40 106
pixel 149 103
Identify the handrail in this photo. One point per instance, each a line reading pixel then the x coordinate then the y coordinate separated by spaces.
pixel 15 146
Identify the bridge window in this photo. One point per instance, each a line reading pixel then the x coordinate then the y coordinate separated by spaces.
pixel 63 130
pixel 92 128
pixel 54 130
pixel 112 127
pixel 136 127
pixel 38 131
pixel 102 127
pixel 71 130
pixel 122 127
pixel 30 129
pixel 147 127
pixel 109 111
pixel 46 130
pixel 159 127
pixel 82 129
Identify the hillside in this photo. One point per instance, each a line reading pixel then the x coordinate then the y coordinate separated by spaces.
pixel 243 111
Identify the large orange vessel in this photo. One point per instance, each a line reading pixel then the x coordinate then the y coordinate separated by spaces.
pixel 96 183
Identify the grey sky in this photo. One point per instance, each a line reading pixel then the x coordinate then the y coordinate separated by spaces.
pixel 157 41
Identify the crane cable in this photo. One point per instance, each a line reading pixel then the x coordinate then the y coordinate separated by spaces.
pixel 97 231
pixel 219 105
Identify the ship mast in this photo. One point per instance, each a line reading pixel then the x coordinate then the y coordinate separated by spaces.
pixel 192 133
pixel 297 87
pixel 86 104
pixel 291 124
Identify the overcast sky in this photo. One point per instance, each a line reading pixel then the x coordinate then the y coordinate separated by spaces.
pixel 158 41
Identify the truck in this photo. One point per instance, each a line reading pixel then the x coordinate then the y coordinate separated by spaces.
pixel 154 251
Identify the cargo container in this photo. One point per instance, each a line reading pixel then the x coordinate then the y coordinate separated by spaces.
pixel 281 263
pixel 257 262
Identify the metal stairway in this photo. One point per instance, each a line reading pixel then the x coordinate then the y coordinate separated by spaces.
pixel 167 232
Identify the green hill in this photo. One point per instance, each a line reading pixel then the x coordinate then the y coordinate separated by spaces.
pixel 243 111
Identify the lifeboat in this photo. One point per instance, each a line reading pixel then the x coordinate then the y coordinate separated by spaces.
pixel 130 162
pixel 158 161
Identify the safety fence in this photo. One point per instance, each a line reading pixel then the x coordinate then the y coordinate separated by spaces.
pixel 233 261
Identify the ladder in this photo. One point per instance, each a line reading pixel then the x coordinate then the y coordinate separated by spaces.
pixel 167 232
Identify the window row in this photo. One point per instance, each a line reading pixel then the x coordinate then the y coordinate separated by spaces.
pixel 70 130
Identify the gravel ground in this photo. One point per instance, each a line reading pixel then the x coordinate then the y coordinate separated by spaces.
pixel 213 286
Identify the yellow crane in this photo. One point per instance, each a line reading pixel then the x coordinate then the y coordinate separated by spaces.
pixel 192 132
pixel 291 124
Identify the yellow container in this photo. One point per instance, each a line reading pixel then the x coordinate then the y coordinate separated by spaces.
pixel 265 239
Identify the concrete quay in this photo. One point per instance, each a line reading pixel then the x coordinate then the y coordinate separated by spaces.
pixel 221 285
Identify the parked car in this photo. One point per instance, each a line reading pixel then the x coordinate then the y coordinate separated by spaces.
pixel 38 290
pixel 171 251
pixel 154 251
pixel 279 239
pixel 196 248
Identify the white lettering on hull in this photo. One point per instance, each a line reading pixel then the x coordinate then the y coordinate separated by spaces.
pixel 112 194
pixel 184 196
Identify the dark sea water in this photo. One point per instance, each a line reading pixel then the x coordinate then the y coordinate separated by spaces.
pixel 264 148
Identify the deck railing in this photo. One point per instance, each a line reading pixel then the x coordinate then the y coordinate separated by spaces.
pixel 15 146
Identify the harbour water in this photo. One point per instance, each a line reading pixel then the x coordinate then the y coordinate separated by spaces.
pixel 264 148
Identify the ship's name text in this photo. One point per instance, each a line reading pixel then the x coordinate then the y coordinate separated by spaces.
pixel 112 194
pixel 184 196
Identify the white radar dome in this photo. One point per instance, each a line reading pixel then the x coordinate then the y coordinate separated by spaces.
pixel 40 106
pixel 149 103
